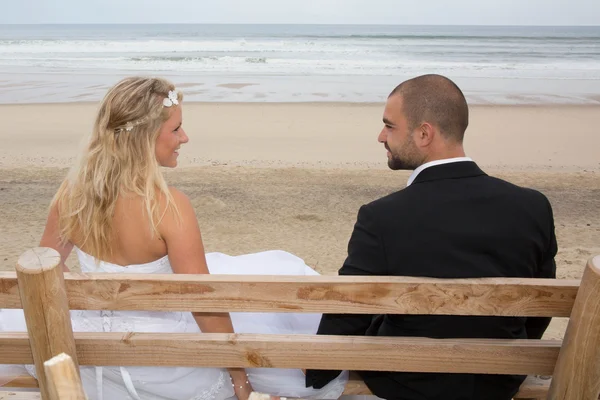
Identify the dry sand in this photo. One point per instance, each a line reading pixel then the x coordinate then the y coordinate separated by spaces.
pixel 314 135
pixel 292 176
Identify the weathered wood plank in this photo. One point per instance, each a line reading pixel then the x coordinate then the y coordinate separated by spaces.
pixel 20 396
pixel 534 387
pixel 577 373
pixel 62 378
pixel 44 297
pixel 492 356
pixel 23 381
pixel 356 386
pixel 320 294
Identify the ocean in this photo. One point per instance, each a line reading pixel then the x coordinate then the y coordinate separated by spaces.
pixel 301 63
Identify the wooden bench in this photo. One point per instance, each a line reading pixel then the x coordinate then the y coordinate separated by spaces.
pixel 62 378
pixel 46 295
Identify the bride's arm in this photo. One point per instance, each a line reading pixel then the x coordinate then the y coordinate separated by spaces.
pixel 51 238
pixel 186 255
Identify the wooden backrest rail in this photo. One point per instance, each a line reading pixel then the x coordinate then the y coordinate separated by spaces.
pixel 43 291
pixel 309 294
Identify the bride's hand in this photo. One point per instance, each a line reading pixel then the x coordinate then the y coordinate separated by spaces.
pixel 242 390
pixel 241 384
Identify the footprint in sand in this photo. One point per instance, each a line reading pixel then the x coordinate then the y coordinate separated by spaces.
pixel 208 202
pixel 308 218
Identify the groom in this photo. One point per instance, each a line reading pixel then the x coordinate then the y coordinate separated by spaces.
pixel 451 221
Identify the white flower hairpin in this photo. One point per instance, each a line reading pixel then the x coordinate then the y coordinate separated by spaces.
pixel 167 102
pixel 172 99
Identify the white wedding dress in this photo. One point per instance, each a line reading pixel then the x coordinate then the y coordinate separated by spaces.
pixel 184 383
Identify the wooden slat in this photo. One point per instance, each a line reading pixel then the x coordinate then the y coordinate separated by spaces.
pixel 577 372
pixel 62 378
pixel 319 294
pixel 9 290
pixel 356 386
pixel 45 304
pixel 23 381
pixel 533 387
pixel 493 356
pixel 20 396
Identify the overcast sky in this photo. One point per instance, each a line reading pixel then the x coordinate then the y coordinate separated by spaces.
pixel 433 12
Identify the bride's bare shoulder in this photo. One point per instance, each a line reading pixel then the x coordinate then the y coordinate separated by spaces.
pixel 180 199
pixel 182 209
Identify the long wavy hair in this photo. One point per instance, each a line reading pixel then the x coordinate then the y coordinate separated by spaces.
pixel 118 159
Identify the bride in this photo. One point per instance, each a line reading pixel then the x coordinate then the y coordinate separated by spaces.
pixel 116 210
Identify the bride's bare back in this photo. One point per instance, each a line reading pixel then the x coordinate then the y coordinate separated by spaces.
pixel 134 242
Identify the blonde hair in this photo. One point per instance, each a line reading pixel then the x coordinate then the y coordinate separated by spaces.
pixel 118 159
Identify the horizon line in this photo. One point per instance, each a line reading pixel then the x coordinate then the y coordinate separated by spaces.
pixel 287 24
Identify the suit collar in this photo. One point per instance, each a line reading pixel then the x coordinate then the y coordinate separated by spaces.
pixel 451 170
pixel 433 163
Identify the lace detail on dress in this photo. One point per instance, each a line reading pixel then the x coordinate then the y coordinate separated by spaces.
pixel 211 394
pixel 106 320
pixel 107 316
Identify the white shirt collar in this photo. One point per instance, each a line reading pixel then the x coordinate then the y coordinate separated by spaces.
pixel 433 163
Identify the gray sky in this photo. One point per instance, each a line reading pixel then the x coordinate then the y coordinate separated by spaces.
pixel 428 12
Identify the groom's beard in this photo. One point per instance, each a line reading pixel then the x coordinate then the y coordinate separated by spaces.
pixel 398 162
pixel 407 158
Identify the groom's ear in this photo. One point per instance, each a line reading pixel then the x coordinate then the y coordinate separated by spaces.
pixel 425 134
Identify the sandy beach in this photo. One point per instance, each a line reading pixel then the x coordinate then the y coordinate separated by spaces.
pixel 314 135
pixel 292 176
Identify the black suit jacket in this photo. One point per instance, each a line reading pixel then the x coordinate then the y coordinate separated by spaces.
pixel 453 221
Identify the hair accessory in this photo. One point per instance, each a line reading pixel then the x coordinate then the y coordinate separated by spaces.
pixel 130 125
pixel 167 102
pixel 171 99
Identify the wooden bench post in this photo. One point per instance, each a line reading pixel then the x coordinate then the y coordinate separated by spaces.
pixel 46 308
pixel 62 378
pixel 577 371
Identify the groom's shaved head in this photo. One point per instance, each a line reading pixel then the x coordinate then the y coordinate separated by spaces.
pixel 437 100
